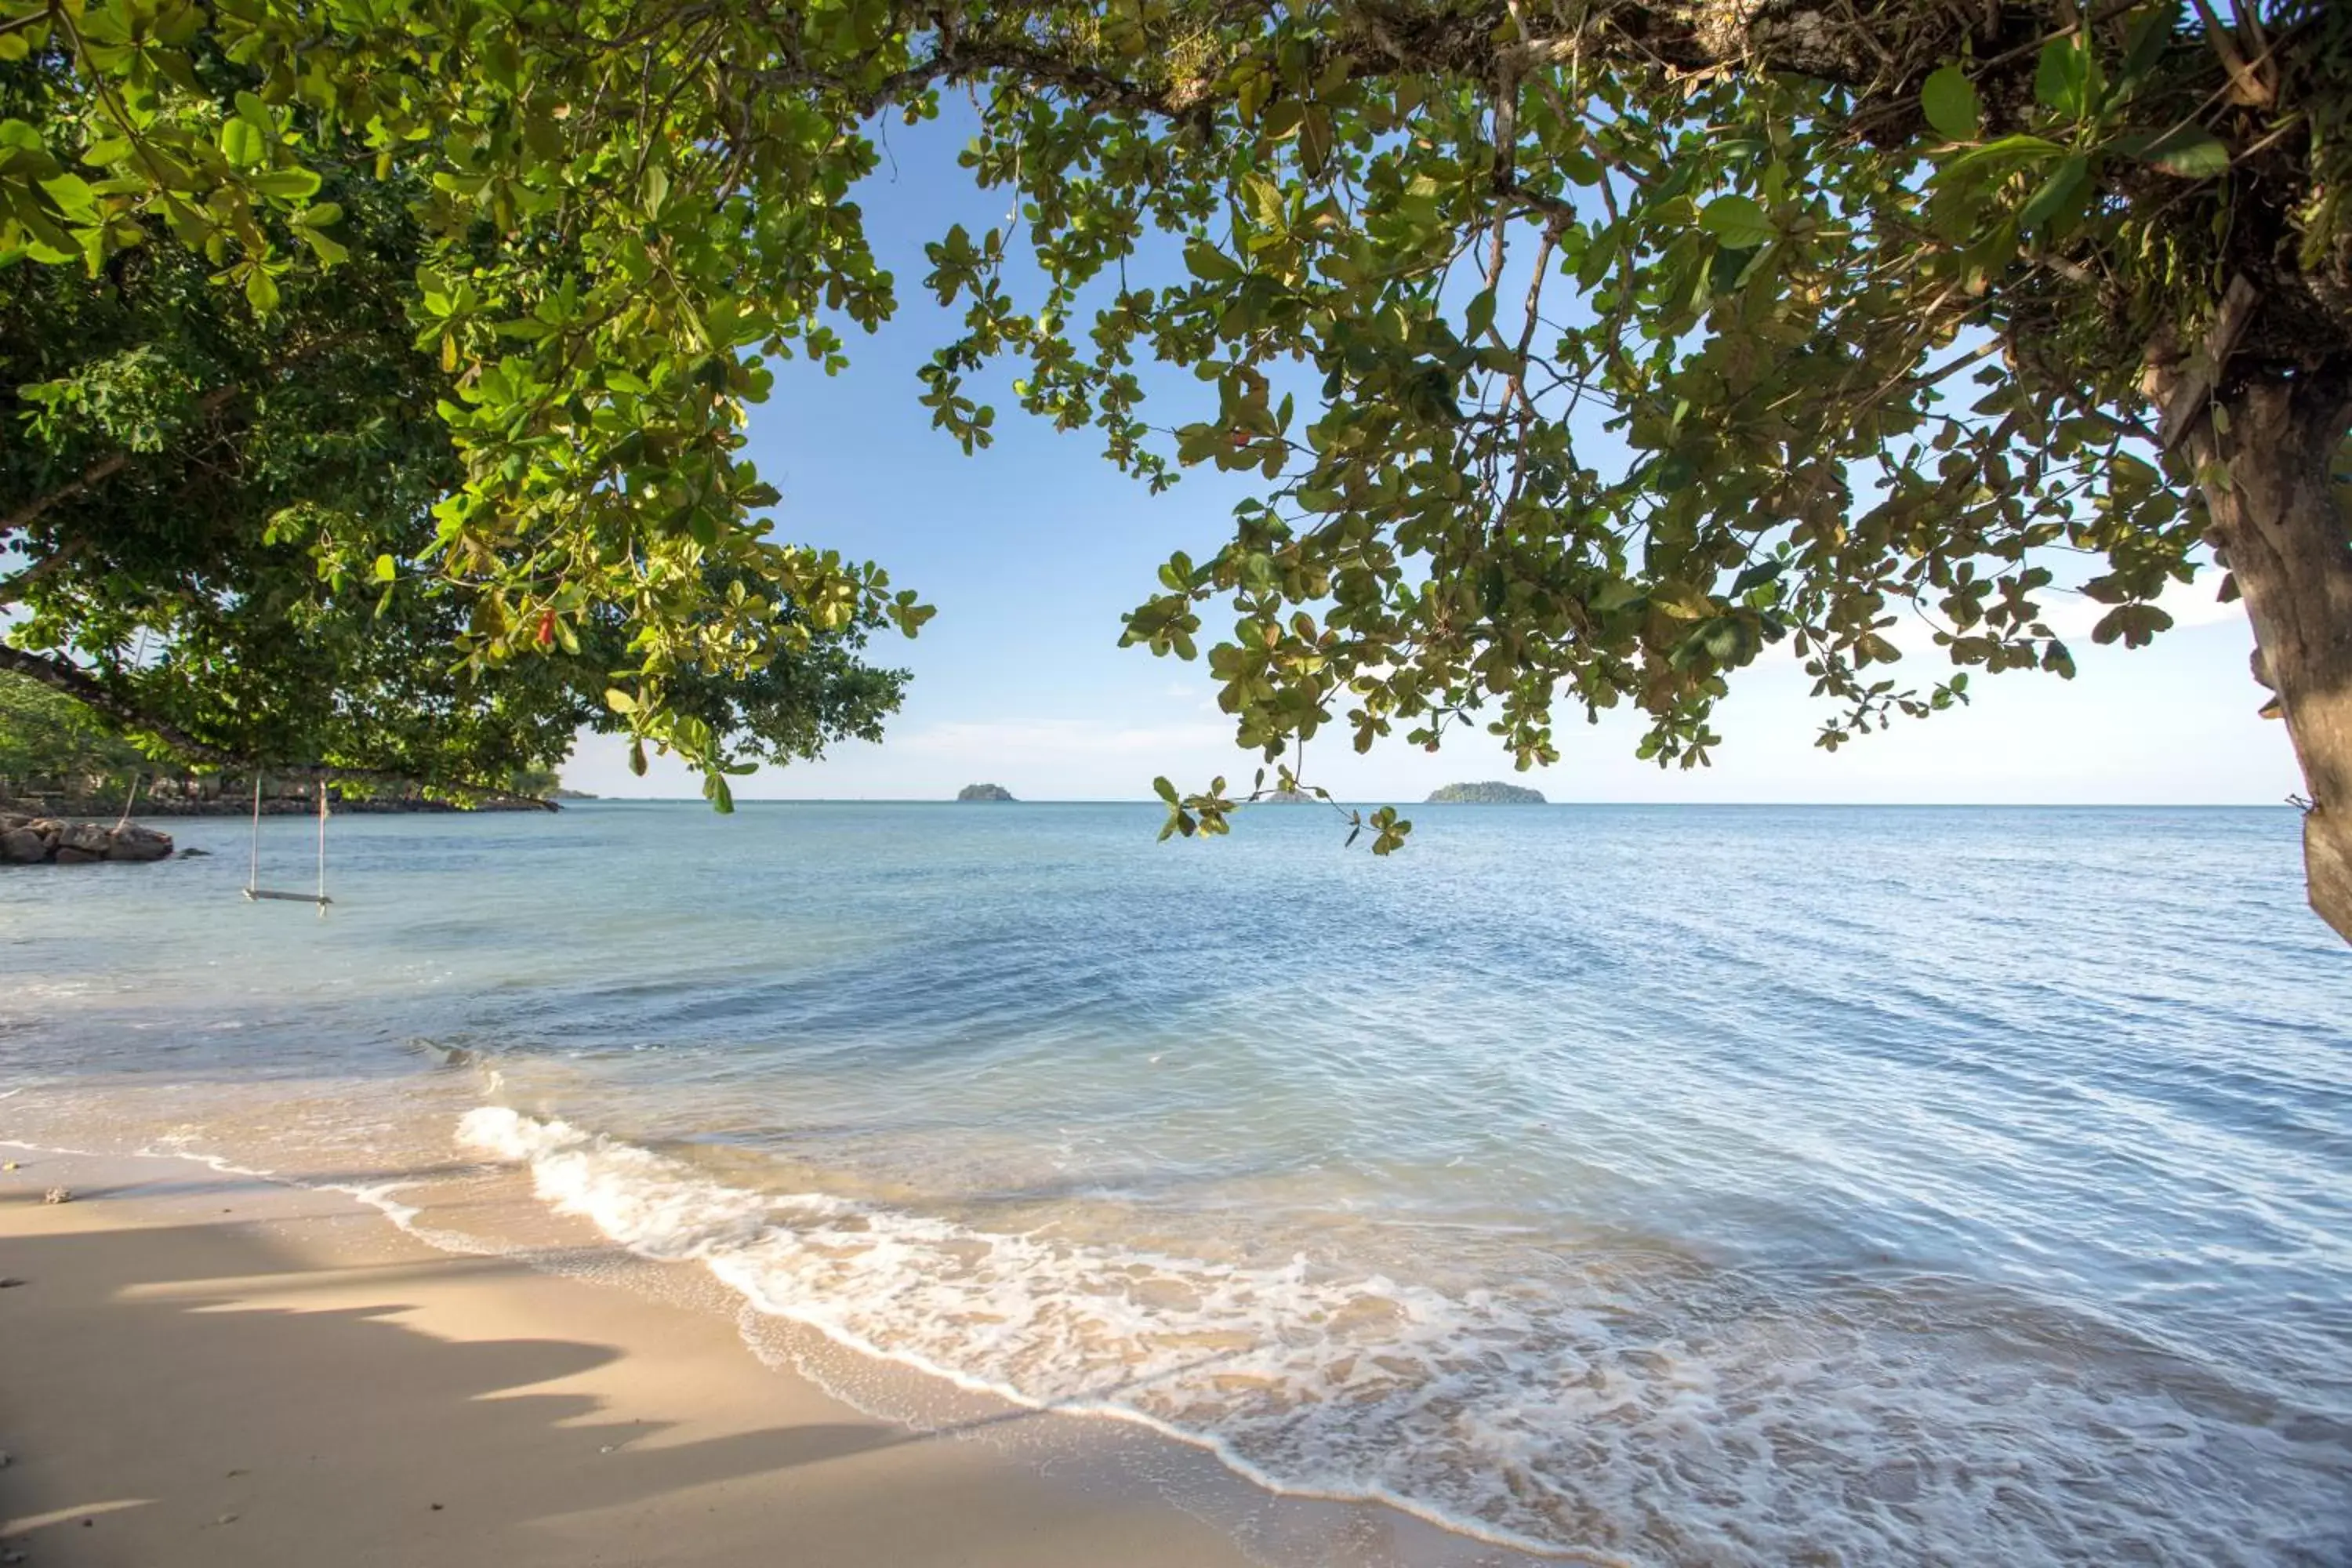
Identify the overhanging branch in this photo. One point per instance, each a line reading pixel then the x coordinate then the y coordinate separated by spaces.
pixel 85 689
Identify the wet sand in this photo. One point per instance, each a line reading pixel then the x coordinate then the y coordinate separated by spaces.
pixel 203 1369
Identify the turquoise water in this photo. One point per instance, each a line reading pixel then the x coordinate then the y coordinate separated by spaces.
pixel 1676 1185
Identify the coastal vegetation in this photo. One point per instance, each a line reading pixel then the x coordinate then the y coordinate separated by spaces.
pixel 216 507
pixel 1491 792
pixel 983 792
pixel 49 742
pixel 57 754
pixel 1892 312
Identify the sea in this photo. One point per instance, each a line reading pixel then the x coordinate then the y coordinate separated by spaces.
pixel 1659 1186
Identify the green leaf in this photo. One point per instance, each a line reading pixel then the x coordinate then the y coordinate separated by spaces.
pixel 291 185
pixel 1736 221
pixel 2055 193
pixel 261 291
pixel 1480 315
pixel 1209 264
pixel 386 569
pixel 1949 101
pixel 1164 790
pixel 618 701
pixel 73 193
pixel 2192 153
pixel 241 143
pixel 2066 76
pixel 2020 148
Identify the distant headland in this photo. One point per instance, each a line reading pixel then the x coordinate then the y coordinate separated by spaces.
pixel 983 792
pixel 1492 792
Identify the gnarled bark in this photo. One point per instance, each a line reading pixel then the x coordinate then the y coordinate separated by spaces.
pixel 2276 519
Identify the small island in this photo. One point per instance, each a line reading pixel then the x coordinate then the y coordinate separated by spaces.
pixel 1492 792
pixel 983 792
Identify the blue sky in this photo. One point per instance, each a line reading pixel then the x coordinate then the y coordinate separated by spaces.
pixel 1032 549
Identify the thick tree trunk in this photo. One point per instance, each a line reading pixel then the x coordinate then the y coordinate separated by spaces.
pixel 2289 543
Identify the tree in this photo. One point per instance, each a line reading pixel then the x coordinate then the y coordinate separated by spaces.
pixel 48 739
pixel 1884 306
pixel 226 524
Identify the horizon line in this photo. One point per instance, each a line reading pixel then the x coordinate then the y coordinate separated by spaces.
pixel 1635 805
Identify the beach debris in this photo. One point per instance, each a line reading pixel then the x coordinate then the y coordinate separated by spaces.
pixel 10 1282
pixel 57 1195
pixel 3 1458
pixel 436 1508
pixel 225 1519
pixel 9 1165
pixel 11 1557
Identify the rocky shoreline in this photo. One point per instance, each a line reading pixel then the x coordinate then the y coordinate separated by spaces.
pixel 302 804
pixel 51 840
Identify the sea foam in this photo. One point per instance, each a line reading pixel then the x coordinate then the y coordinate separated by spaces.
pixel 1687 1418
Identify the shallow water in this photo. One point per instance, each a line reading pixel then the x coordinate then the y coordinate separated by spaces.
pixel 1673 1185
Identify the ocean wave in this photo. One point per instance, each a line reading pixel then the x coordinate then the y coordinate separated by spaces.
pixel 1635 1407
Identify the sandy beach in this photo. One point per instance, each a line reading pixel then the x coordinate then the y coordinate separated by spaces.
pixel 202 1368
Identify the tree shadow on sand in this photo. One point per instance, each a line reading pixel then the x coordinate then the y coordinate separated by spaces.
pixel 406 1448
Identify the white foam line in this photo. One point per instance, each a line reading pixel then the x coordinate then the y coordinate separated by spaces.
pixel 557 1155
pixel 377 1196
pixel 1100 1409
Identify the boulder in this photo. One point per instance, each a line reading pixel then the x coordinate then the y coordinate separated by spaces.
pixel 29 841
pixel 92 839
pixel 133 842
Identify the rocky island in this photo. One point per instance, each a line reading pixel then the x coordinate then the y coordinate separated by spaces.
pixel 983 792
pixel 1492 792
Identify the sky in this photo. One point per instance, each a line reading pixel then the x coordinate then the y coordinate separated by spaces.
pixel 1032 549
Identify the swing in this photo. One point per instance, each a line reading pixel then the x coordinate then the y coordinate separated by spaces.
pixel 254 890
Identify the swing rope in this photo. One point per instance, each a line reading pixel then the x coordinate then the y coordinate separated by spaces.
pixel 254 890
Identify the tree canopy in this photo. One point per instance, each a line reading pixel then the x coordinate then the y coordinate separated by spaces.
pixel 47 737
pixel 218 509
pixel 1890 313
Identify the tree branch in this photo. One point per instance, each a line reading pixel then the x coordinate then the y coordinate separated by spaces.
pixel 97 473
pixel 105 468
pixel 87 689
